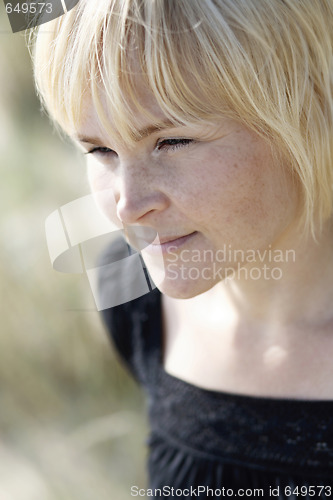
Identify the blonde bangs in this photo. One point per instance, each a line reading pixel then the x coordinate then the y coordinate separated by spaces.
pixel 268 64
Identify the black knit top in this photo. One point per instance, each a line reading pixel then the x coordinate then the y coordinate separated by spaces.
pixel 210 444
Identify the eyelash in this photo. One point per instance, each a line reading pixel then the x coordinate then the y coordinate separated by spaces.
pixel 179 143
pixel 99 150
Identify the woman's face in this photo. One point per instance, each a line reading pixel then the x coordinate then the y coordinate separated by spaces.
pixel 205 189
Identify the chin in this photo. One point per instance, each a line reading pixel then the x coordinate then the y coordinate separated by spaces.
pixel 182 288
pixel 175 282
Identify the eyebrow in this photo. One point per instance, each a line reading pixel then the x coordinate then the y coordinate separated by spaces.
pixel 145 132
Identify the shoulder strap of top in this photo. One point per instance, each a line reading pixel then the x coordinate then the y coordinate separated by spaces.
pixel 135 326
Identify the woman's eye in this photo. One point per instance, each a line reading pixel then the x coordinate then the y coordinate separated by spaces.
pixel 172 144
pixel 100 150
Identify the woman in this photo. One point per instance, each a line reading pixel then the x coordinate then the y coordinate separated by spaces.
pixel 209 123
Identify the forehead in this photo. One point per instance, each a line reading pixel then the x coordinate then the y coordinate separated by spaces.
pixel 98 117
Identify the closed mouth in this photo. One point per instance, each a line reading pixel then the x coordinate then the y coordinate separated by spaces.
pixel 170 239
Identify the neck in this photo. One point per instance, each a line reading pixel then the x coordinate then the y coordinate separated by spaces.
pixel 289 284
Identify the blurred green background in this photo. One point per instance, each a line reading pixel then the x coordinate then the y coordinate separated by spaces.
pixel 72 422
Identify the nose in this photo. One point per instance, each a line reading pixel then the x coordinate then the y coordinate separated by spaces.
pixel 139 193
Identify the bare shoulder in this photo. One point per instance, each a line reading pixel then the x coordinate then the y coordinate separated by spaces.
pixel 220 357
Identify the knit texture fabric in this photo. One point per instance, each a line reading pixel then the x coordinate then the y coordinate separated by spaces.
pixel 201 437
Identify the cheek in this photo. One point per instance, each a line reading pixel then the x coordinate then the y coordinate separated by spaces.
pixel 98 175
pixel 101 184
pixel 219 179
pixel 239 190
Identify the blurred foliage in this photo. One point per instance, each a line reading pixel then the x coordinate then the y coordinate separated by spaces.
pixel 72 422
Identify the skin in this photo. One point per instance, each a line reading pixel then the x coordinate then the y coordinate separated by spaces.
pixel 223 187
pixel 166 180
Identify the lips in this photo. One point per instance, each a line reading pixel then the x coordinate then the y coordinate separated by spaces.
pixel 159 240
pixel 167 244
pixel 142 237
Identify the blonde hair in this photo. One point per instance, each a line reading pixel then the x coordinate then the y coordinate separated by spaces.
pixel 266 63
